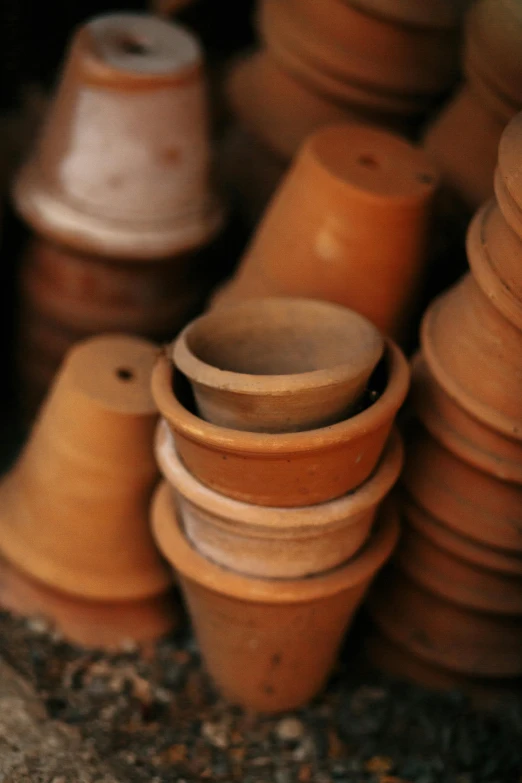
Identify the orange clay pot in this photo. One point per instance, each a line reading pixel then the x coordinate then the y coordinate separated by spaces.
pixel 110 625
pixel 474 643
pixel 286 469
pixel 508 176
pixel 443 14
pixel 457 568
pixel 469 501
pixel 461 433
pixel 462 334
pixel 398 662
pixel 321 236
pixel 277 543
pixel 122 167
pixel 83 483
pixel 340 40
pixel 252 632
pixel 278 365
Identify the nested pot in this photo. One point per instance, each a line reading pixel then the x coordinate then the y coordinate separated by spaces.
pixel 508 188
pixel 321 237
pixel 473 441
pixel 275 543
pixel 122 167
pixel 278 364
pixel 474 353
pixel 457 568
pixel 252 632
pixel 284 469
pixel 471 502
pixel 454 637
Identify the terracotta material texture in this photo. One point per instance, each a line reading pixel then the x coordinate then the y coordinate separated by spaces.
pixel 278 543
pixel 122 167
pixel 321 236
pixel 284 469
pixel 83 482
pixel 278 365
pixel 252 632
pixel 464 139
pixel 469 501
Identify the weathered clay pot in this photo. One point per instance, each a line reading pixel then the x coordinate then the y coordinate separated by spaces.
pixel 122 167
pixel 461 433
pixel 321 236
pixel 277 543
pixel 462 334
pixel 457 568
pixel 444 634
pixel 285 469
pixel 278 365
pixel 83 483
pixel 252 632
pixel 469 501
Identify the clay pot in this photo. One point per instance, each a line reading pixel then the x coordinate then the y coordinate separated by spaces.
pixel 287 469
pixel 462 334
pixel 252 632
pixel 122 167
pixel 469 501
pixel 342 41
pixel 457 568
pixel 508 189
pixel 83 482
pixel 443 14
pixel 278 365
pixel 321 235
pixel 461 433
pixel 110 625
pixel 276 543
pixel 446 635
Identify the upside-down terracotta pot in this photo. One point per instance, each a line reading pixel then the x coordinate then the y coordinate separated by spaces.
pixel 474 353
pixel 471 502
pixel 445 634
pixel 74 508
pixel 122 167
pixel 460 432
pixel 278 365
pixel 284 469
pixel 457 568
pixel 321 237
pixel 252 632
pixel 277 543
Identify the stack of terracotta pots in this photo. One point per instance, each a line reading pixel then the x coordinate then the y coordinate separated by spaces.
pixel 75 540
pixel 349 224
pixel 118 192
pixel 453 612
pixel 380 61
pixel 275 466
pixel 464 139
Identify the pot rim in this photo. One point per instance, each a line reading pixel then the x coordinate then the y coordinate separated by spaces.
pixel 272 519
pixel 218 579
pixel 201 372
pixel 377 415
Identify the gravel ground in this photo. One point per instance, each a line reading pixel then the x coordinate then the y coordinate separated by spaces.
pixel 107 719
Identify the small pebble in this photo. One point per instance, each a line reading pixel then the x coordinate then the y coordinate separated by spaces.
pixel 289 730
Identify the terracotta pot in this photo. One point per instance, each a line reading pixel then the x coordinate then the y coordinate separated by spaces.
pixel 278 365
pixel 122 167
pixel 443 14
pixel 462 333
pixel 469 501
pixel 343 41
pixel 277 543
pixel 252 632
pixel 83 483
pixel 449 636
pixel 457 568
pixel 287 469
pixel 321 235
pixel 398 662
pixel 508 189
pixel 110 625
pixel 465 436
